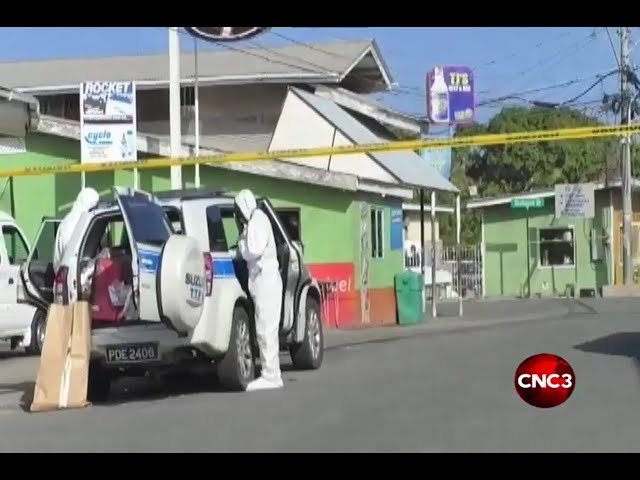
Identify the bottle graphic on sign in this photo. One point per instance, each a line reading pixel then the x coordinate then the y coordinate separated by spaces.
pixel 123 146
pixel 130 144
pixel 439 97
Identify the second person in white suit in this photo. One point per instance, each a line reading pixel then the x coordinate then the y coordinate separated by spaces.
pixel 257 247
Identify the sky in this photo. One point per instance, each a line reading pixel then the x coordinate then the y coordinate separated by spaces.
pixel 552 64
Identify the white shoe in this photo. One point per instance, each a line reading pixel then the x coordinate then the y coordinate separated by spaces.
pixel 263 384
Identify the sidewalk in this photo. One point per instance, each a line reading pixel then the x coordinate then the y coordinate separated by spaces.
pixel 476 315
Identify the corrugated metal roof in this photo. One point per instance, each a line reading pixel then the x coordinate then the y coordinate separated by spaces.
pixel 323 62
pixel 408 167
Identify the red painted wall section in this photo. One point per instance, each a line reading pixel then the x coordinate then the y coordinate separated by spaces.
pixel 341 306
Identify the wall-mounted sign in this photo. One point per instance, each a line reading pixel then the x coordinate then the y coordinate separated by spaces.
pixel 108 122
pixel 225 34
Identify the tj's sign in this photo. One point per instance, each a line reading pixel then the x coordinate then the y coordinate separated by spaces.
pixel 225 34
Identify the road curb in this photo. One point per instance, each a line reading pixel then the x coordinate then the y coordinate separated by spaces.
pixel 336 339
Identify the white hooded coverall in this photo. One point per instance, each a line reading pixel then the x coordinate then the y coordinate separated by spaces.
pixel 258 248
pixel 86 200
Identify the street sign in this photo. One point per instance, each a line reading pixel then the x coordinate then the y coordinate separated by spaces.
pixel 225 34
pixel 575 200
pixel 527 203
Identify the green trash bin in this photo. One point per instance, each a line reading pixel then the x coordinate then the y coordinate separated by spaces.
pixel 409 286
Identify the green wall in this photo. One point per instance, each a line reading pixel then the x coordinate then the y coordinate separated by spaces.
pixel 32 196
pixel 381 270
pixel 328 217
pixel 506 259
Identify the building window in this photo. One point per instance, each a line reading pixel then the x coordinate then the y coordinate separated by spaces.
pixel 187 97
pixel 61 106
pixel 377 233
pixel 290 219
pixel 557 247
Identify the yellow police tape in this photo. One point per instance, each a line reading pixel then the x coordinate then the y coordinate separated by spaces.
pixel 458 142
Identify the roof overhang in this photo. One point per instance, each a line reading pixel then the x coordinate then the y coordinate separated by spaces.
pixel 267 168
pixel 202 82
pixel 546 193
pixel 377 111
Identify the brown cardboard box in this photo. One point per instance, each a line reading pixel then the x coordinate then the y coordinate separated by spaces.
pixel 64 363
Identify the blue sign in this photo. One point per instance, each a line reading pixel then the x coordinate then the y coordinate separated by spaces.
pixel 397 229
pixel 438 158
pixel 149 261
pixel 450 95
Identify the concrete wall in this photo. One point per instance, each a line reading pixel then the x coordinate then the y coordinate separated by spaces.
pixel 413 231
pixel 506 258
pixel 617 233
pixel 232 118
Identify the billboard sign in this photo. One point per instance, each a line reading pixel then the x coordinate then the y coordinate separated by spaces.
pixel 438 158
pixel 450 95
pixel 225 34
pixel 108 122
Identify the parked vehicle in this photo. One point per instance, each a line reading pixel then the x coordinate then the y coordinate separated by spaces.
pixel 189 291
pixel 21 323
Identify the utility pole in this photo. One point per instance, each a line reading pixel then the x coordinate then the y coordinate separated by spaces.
pixel 626 95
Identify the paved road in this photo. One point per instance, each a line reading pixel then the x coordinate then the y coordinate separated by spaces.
pixel 445 392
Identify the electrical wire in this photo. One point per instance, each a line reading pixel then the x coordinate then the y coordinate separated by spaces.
pixel 486 103
pixel 613 48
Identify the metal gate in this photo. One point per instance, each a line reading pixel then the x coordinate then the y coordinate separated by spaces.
pixel 471 264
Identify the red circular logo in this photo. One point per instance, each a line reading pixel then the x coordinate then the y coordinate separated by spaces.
pixel 545 380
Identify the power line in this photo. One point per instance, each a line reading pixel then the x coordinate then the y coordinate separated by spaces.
pixel 613 47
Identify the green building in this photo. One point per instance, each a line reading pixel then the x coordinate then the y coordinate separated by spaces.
pixel 564 255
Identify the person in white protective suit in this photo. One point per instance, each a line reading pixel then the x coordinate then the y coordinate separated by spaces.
pixel 257 247
pixel 86 200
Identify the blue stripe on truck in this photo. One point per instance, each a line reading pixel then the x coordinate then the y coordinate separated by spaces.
pixel 223 268
pixel 149 261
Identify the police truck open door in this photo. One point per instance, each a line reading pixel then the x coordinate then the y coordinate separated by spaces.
pixel 168 269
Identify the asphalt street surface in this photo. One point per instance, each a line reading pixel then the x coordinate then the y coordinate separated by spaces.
pixel 429 391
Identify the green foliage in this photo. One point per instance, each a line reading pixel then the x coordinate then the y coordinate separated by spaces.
pixel 504 169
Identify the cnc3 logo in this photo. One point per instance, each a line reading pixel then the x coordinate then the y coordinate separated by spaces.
pixel 545 380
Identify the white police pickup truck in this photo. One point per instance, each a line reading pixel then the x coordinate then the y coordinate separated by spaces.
pixel 189 293
pixel 21 323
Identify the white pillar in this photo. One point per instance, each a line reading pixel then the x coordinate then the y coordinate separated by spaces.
pixel 434 257
pixel 196 102
pixel 458 253
pixel 175 126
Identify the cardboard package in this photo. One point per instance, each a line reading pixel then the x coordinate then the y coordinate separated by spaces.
pixel 64 363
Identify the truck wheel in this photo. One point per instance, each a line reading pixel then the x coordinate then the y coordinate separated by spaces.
pixel 99 384
pixel 308 354
pixel 38 328
pixel 237 368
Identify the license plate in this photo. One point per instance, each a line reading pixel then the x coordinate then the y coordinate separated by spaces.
pixel 134 353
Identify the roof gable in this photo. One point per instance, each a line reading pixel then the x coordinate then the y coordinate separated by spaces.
pixel 407 167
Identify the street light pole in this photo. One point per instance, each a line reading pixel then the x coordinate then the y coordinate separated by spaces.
pixel 175 121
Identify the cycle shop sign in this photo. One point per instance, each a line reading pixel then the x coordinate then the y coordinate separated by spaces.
pixel 108 122
pixel 575 200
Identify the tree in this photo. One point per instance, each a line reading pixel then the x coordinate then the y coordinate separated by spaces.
pixel 504 169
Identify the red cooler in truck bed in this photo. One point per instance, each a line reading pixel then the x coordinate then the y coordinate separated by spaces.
pixel 109 272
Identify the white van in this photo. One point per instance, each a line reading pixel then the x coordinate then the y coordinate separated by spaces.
pixel 189 293
pixel 21 323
